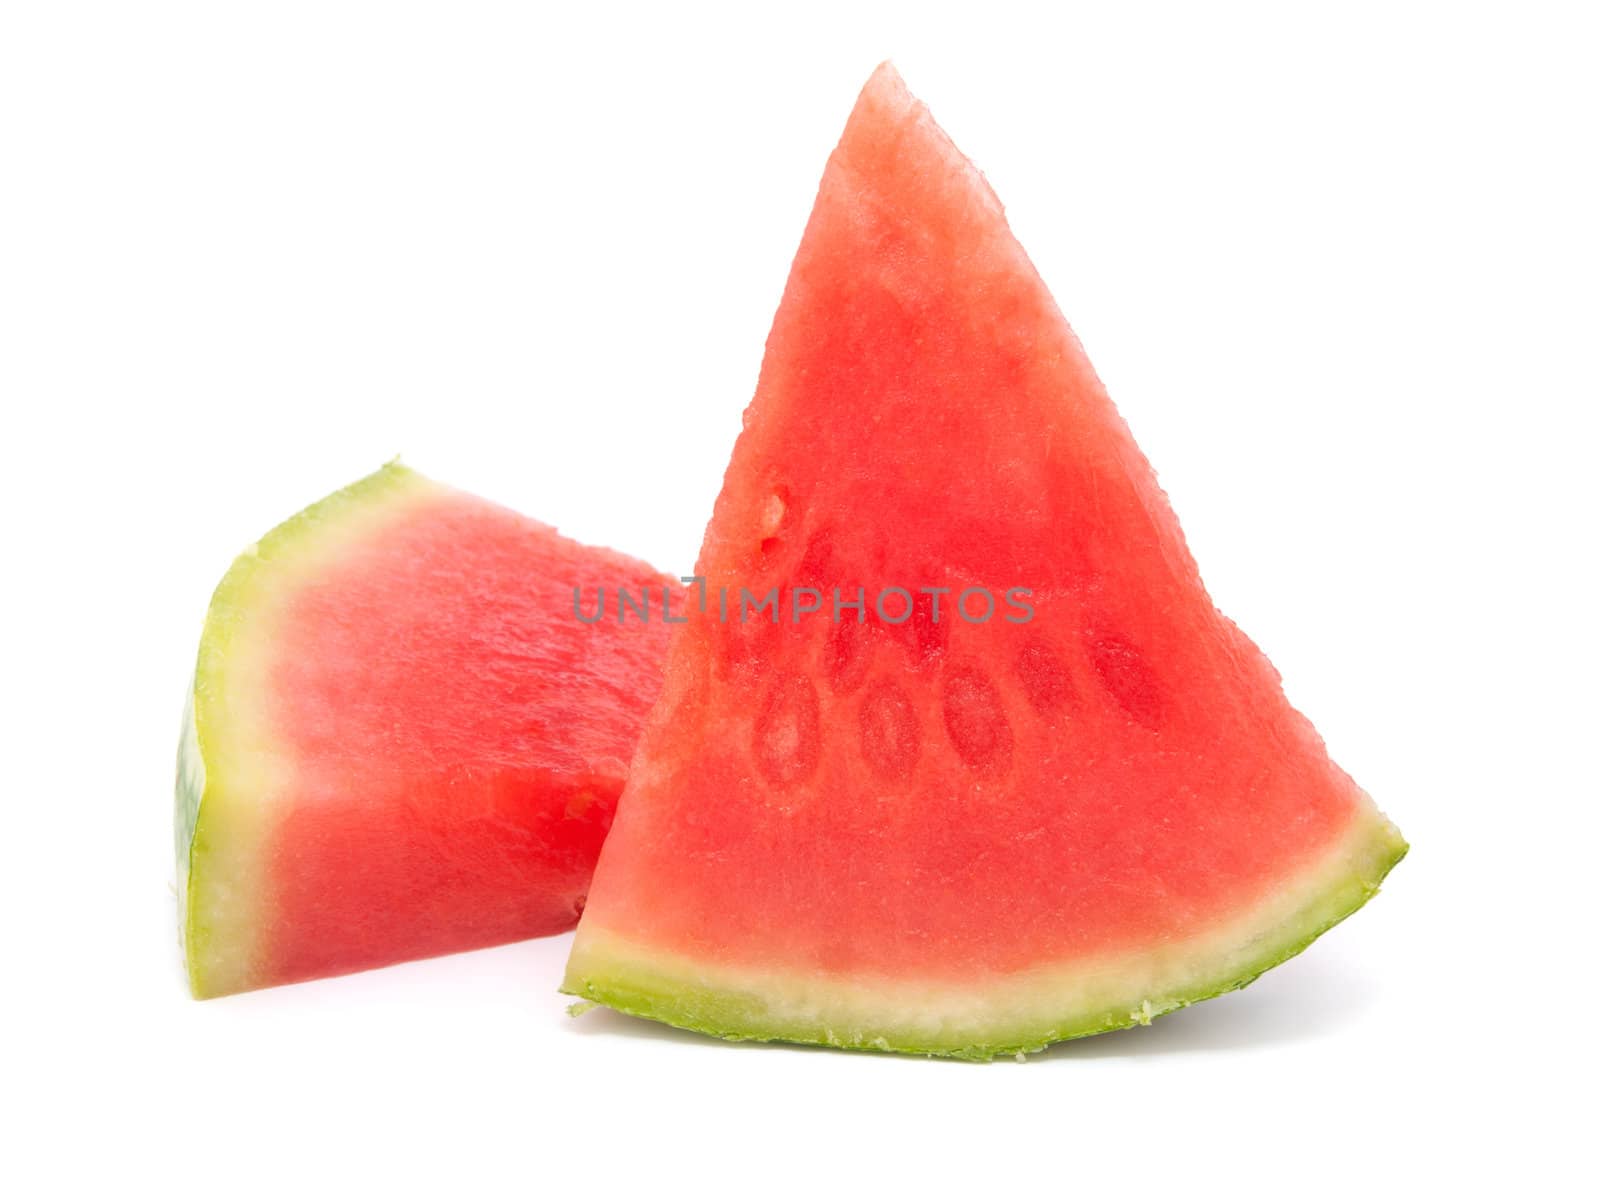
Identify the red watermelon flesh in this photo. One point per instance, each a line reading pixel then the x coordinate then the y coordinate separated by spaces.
pixel 941 834
pixel 401 741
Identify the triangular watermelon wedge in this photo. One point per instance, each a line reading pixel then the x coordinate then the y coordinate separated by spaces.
pixel 957 836
pixel 400 741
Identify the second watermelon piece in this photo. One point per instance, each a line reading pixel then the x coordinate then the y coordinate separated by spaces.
pixel 402 740
pixel 929 821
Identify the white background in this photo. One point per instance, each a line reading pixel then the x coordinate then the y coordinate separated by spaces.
pixel 1338 269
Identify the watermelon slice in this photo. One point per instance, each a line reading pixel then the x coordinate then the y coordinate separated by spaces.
pixel 400 742
pixel 936 822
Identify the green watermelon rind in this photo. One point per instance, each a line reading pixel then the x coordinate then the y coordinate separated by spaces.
pixel 606 969
pixel 213 786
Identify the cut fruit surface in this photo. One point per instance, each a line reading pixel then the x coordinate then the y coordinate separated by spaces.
pixel 401 741
pixel 955 818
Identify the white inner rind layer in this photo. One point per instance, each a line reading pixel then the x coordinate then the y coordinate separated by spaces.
pixel 1000 1014
pixel 234 774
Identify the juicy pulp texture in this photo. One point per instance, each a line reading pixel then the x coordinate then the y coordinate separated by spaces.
pixel 951 835
pixel 401 741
